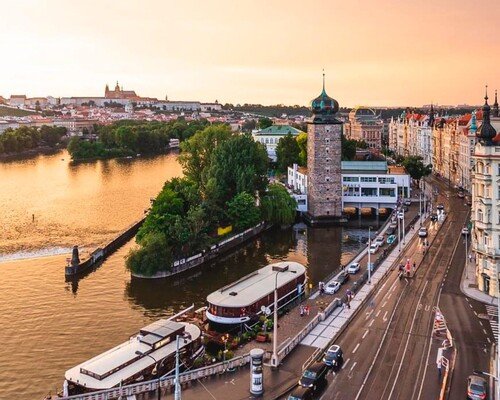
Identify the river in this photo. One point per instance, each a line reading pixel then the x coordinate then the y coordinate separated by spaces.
pixel 49 325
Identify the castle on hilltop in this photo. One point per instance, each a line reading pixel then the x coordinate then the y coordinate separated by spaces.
pixel 119 93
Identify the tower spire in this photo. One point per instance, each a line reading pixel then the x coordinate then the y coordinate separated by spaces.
pixel 486 96
pixel 324 91
pixel 496 111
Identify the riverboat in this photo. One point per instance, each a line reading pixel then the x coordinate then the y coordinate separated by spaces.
pixel 242 302
pixel 147 355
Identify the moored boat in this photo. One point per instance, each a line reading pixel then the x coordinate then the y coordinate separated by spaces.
pixel 243 301
pixel 147 355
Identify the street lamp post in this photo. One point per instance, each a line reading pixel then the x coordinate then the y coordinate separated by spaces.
pixel 403 220
pixel 274 357
pixel 177 391
pixel 369 255
pixel 399 229
pixel 156 369
pixel 498 337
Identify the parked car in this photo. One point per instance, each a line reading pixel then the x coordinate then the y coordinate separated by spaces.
pixel 422 232
pixel 343 277
pixel 373 248
pixel 407 202
pixel 391 239
pixel 353 268
pixel 301 393
pixel 461 195
pixel 434 217
pixel 465 231
pixel 333 356
pixel 380 240
pixel 313 375
pixel 477 388
pixel 440 206
pixel 332 288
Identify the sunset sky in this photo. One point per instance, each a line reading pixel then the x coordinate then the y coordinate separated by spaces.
pixel 374 52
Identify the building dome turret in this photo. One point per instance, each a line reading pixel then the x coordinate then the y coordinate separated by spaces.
pixel 324 104
pixel 486 133
pixel 473 123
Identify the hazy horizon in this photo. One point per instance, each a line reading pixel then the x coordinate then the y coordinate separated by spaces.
pixel 384 53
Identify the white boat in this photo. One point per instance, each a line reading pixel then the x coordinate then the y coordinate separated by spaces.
pixel 152 349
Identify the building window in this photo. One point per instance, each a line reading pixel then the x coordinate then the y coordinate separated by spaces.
pixel 350 179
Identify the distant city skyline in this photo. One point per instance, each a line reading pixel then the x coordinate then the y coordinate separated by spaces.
pixel 384 53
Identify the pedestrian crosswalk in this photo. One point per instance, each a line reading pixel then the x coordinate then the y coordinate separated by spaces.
pixel 493 314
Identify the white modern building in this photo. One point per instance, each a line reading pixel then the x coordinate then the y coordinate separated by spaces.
pixel 271 135
pixel 485 214
pixel 365 184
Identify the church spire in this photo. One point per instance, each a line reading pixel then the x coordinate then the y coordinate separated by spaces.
pixel 324 91
pixel 495 106
pixel 486 132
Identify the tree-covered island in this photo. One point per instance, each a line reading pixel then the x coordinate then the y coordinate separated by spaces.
pixel 225 183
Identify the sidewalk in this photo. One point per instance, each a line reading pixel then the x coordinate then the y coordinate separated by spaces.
pixel 468 285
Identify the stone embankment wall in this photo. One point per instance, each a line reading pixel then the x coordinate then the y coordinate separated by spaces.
pixel 215 251
pixel 101 253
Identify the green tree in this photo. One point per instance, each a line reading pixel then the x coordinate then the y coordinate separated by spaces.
pixel 197 151
pixel 302 142
pixel 287 152
pixel 248 125
pixel 265 123
pixel 152 256
pixel 237 165
pixel 242 211
pixel 416 168
pixel 348 149
pixel 277 206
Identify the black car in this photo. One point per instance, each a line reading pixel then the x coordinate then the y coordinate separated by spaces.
pixel 333 357
pixel 313 375
pixel 301 393
pixel 440 207
pixel 390 231
pixel 343 277
pixel 434 217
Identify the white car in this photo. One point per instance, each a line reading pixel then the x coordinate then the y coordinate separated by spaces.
pixel 422 232
pixel 379 239
pixel 373 248
pixel 465 231
pixel 353 268
pixel 332 287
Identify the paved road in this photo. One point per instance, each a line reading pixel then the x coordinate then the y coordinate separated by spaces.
pixel 388 345
pixel 472 335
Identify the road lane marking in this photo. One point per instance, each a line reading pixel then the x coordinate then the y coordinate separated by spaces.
pixel 486 333
pixel 368 314
pixel 480 323
pixel 488 339
pixel 389 296
pixel 475 313
pixel 346 362
pixel 356 348
pixel 371 323
pixel 378 313
pixel 383 305
pixel 379 347
pixel 385 316
pixel 364 334
pixel 353 365
pixel 470 305
pixel 407 341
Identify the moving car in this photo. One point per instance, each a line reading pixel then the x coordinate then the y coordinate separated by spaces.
pixel 379 239
pixel 332 287
pixel 343 277
pixel 461 195
pixel 301 393
pixel 391 239
pixel 373 248
pixel 333 356
pixel 434 217
pixel 477 388
pixel 422 232
pixel 465 231
pixel 440 206
pixel 313 375
pixel 407 202
pixel 391 230
pixel 353 268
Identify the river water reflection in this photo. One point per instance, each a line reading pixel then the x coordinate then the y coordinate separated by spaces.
pixel 49 325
